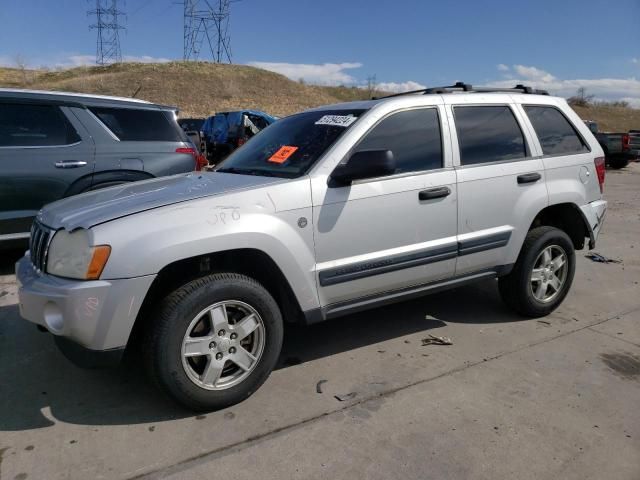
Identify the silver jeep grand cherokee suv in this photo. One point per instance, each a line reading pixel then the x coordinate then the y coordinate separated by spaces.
pixel 326 212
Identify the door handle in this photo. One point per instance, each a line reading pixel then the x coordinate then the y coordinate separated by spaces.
pixel 430 194
pixel 529 177
pixel 70 164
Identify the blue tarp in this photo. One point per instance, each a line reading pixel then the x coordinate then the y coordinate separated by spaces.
pixel 217 127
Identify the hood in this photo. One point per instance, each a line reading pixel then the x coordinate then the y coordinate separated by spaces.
pixel 93 208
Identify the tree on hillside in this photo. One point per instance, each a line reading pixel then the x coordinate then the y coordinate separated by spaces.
pixel 371 86
pixel 580 99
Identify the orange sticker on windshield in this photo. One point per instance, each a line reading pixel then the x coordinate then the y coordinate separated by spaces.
pixel 282 154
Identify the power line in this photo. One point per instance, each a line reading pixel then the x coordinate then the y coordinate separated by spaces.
pixel 207 20
pixel 108 18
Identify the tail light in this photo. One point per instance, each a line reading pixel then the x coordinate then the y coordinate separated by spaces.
pixel 625 142
pixel 190 151
pixel 201 162
pixel 242 141
pixel 600 171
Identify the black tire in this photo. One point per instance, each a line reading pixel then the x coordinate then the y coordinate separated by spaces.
pixel 163 342
pixel 618 162
pixel 515 288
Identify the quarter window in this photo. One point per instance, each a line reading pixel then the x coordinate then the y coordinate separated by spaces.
pixel 488 134
pixel 140 125
pixel 413 136
pixel 26 125
pixel 557 136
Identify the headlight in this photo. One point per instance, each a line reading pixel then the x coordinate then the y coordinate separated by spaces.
pixel 71 256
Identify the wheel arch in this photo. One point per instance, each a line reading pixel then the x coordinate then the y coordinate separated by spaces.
pixel 567 217
pixel 91 180
pixel 247 261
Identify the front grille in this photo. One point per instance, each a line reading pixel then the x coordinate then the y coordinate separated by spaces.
pixel 39 245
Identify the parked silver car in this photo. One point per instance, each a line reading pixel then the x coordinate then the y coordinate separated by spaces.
pixel 324 213
pixel 54 145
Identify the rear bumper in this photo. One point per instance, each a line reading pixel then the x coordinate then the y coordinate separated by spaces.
pixel 594 213
pixel 96 315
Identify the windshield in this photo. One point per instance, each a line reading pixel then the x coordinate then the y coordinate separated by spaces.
pixel 289 147
pixel 191 123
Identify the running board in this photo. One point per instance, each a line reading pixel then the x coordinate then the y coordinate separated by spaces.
pixel 365 303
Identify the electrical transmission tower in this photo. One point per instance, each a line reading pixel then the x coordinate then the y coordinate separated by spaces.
pixel 207 20
pixel 108 18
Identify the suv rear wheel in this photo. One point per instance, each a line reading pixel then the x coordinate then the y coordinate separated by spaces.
pixel 215 341
pixel 543 274
pixel 618 162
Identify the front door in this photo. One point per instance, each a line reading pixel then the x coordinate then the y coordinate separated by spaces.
pixel 42 152
pixel 389 233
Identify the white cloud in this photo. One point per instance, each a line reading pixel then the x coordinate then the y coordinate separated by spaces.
pixel 321 74
pixel 74 60
pixel 395 87
pixel 503 68
pixel 145 59
pixel 635 60
pixel 610 89
pixel 533 73
pixel 84 60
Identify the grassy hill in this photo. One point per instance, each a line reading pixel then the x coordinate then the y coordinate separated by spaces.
pixel 200 89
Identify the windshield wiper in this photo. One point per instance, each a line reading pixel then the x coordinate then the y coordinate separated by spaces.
pixel 249 171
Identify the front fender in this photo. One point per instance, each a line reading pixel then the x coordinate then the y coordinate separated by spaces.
pixel 144 243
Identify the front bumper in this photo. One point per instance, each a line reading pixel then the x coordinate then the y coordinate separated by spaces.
pixel 96 315
pixel 594 213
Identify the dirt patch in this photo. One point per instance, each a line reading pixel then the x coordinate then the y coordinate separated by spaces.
pixel 625 365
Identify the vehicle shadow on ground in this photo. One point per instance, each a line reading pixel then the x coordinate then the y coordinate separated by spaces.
pixel 39 387
pixel 8 259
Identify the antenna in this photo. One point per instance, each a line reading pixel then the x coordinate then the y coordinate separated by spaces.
pixel 108 25
pixel 207 20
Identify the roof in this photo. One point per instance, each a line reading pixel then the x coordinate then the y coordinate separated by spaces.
pixel 458 90
pixel 71 98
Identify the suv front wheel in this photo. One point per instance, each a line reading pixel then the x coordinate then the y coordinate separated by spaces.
pixel 543 274
pixel 214 341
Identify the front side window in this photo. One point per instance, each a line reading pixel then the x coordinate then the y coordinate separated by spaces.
pixel 289 147
pixel 28 125
pixel 412 135
pixel 138 125
pixel 488 134
pixel 557 136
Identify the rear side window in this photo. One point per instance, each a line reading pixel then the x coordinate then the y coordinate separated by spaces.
pixel 139 125
pixel 24 125
pixel 556 134
pixel 488 134
pixel 413 136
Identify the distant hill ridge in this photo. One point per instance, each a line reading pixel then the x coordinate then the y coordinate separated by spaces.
pixel 202 88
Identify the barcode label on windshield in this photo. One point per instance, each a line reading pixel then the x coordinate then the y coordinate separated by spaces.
pixel 337 120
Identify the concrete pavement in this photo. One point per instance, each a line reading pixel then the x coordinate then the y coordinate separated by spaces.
pixel 511 398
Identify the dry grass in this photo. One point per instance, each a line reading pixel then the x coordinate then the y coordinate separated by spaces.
pixel 200 89
pixel 611 119
pixel 197 88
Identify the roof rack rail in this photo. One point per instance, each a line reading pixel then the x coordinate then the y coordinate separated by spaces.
pixel 465 87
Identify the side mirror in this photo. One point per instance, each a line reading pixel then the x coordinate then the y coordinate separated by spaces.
pixel 363 164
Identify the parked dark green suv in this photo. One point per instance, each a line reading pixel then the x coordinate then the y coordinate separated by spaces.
pixel 53 145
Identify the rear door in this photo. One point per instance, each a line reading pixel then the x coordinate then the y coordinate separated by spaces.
pixel 43 150
pixel 501 183
pixel 140 139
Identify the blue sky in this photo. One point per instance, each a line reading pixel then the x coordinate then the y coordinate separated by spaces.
pixel 559 44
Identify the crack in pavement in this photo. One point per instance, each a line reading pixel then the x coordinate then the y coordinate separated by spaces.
pixel 257 439
pixel 613 336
